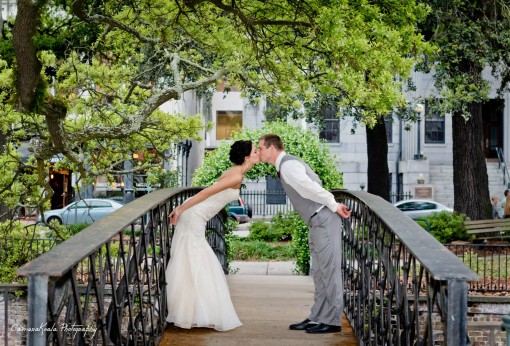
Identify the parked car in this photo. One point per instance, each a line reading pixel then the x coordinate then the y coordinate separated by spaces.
pixel 415 208
pixel 239 211
pixel 83 211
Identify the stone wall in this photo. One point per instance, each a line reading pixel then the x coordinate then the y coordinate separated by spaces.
pixel 17 318
pixel 484 322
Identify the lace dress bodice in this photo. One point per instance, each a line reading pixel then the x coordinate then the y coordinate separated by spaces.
pixel 195 218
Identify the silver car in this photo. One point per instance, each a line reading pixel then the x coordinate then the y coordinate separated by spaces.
pixel 415 208
pixel 83 211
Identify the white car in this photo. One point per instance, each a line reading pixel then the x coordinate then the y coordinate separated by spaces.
pixel 415 208
pixel 83 211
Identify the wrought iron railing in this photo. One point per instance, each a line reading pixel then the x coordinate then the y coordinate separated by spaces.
pixel 490 261
pixel 267 203
pixel 502 166
pixel 109 279
pixel 395 197
pixel 402 287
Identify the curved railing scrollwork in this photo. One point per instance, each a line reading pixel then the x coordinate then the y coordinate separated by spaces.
pixel 106 285
pixel 402 287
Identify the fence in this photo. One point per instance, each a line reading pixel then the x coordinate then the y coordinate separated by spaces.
pixel 269 203
pixel 490 261
pixel 266 203
pixel 395 197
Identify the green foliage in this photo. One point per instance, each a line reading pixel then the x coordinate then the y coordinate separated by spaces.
pixel 257 250
pixel 278 230
pixel 282 226
pixel 17 249
pixel 446 226
pixel 259 230
pixel 469 36
pixel 163 178
pixel 230 237
pixel 75 229
pixel 299 142
pixel 299 242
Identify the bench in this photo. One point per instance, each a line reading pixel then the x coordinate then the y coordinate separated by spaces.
pixel 488 229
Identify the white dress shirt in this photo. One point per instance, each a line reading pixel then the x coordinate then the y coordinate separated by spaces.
pixel 295 175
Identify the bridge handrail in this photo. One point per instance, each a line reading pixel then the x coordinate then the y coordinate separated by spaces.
pixel 399 280
pixel 440 262
pixel 110 277
pixel 78 247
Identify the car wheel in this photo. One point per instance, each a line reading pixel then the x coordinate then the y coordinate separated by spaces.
pixel 54 218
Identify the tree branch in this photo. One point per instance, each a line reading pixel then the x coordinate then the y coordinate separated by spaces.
pixel 77 9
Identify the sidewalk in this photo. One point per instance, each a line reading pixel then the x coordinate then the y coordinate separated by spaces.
pixel 262 268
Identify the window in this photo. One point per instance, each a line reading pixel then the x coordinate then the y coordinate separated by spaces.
pixel 388 123
pixel 426 206
pixel 228 122
pixel 434 125
pixel 79 205
pixel 100 204
pixel 331 129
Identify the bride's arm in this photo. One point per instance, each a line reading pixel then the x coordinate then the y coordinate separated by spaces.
pixel 228 180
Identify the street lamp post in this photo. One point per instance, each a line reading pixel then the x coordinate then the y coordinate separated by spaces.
pixel 419 110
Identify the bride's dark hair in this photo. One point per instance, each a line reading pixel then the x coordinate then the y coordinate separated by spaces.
pixel 239 150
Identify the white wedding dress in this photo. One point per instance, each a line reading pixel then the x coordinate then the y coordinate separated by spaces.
pixel 197 290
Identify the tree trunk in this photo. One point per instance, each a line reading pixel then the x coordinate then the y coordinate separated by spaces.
pixel 470 181
pixel 377 151
pixel 28 67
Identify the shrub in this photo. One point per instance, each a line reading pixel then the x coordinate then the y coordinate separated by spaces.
pixel 259 230
pixel 16 249
pixel 75 229
pixel 298 141
pixel 257 250
pixel 300 243
pixel 230 227
pixel 280 229
pixel 446 226
pixel 282 226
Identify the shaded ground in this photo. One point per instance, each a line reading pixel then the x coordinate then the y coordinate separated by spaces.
pixel 266 305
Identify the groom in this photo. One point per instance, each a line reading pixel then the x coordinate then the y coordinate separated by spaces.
pixel 318 208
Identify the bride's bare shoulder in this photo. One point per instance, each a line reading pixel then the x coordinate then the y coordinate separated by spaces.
pixel 232 174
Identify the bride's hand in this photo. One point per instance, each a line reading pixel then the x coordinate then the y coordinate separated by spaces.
pixel 174 215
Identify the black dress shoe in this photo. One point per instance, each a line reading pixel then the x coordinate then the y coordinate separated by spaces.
pixel 322 328
pixel 302 325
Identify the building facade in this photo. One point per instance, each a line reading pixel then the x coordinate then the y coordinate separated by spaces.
pixel 419 153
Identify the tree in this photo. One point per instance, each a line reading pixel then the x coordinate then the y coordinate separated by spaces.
pixel 470 35
pixel 95 99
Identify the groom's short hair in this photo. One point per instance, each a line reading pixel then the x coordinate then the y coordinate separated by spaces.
pixel 274 140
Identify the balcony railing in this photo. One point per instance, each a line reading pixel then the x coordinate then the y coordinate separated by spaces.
pixel 109 279
pixel 401 284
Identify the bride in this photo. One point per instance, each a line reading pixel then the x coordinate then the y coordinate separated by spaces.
pixel 197 291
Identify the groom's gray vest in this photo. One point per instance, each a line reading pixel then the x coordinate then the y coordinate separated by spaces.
pixel 305 207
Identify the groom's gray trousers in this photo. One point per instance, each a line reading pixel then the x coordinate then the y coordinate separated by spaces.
pixel 325 242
